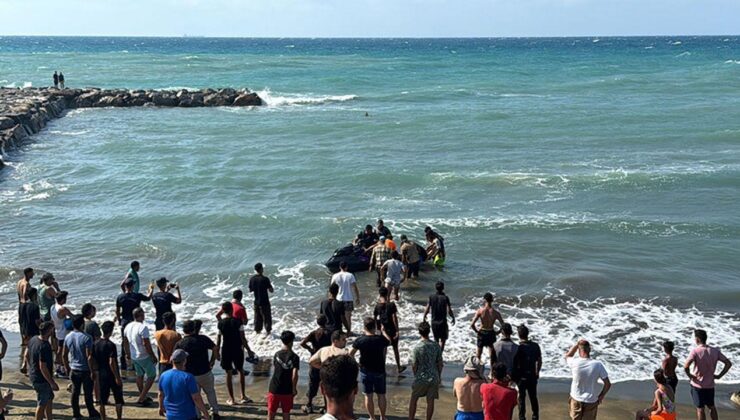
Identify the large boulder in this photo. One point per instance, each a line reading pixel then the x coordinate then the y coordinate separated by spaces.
pixel 87 100
pixel 247 99
pixel 164 99
pixel 6 123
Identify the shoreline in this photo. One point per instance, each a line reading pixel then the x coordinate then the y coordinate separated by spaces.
pixel 25 111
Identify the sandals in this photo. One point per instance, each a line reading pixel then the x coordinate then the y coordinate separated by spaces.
pixel 307 409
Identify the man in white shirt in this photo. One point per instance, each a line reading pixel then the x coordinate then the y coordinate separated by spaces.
pixel 584 401
pixel 141 354
pixel 392 271
pixel 347 285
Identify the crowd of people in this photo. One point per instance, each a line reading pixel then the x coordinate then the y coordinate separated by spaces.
pixel 57 343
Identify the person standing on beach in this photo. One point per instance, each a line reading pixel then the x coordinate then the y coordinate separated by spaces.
pixel 339 386
pixel 3 350
pixel 378 257
pixel 392 273
pixel 348 295
pixel 199 364
pixel 372 350
pixel 467 391
pixel 426 362
pixel 163 300
pixel 337 348
pixel 704 360
pixel 59 315
pixel 47 295
pixel 142 356
pixel 55 78
pixel 108 376
pixel 486 334
pixel 132 273
pixel 232 351
pixel 29 318
pixel 332 309
pixel 24 284
pixel 526 373
pixel 259 285
pixel 499 399
pixel 284 381
pixel 664 402
pixel 313 342
pixel 240 313
pixel 40 361
pixel 386 318
pixel 78 362
pixel 584 401
pixel 166 339
pixel 440 307
pixel 669 365
pixel 126 302
pixel 61 80
pixel 179 396
pixel 410 258
pixel 505 348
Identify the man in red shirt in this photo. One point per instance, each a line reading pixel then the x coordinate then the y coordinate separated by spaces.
pixel 498 399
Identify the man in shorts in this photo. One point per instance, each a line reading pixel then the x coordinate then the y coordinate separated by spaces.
pixel 166 339
pixel 378 257
pixel 284 381
pixel 486 333
pixel 231 334
pixel 386 318
pixel 426 362
pixel 440 307
pixel 40 362
pixel 704 359
pixel 372 350
pixel 392 272
pixel 108 377
pixel 348 293
pixel 141 355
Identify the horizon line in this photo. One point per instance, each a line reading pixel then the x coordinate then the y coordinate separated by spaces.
pixel 368 37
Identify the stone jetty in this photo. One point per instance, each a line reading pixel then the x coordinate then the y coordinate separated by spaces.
pixel 24 112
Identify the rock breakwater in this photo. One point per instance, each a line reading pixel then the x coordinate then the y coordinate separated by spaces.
pixel 24 112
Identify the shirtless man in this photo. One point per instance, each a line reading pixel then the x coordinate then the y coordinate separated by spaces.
pixel 24 283
pixel 486 333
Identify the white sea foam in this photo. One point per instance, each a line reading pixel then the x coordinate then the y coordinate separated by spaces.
pixel 732 62
pixel 684 54
pixel 274 99
pixel 69 133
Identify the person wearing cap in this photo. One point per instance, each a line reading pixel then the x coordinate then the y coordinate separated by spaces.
pixel 467 391
pixel 499 399
pixel 584 397
pixel 410 258
pixel 179 397
pixel 132 273
pixel 379 256
pixel 126 302
pixel 163 300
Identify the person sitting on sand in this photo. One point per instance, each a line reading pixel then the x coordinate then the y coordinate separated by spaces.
pixel 663 407
pixel 584 401
pixel 704 359
pixel 386 317
pixel 313 342
pixel 499 399
pixel 179 396
pixel 669 364
pixel 339 386
pixel 426 362
pixel 486 334
pixel 467 391
pixel 284 381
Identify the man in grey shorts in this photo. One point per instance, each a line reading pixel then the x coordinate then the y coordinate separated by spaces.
pixel 426 362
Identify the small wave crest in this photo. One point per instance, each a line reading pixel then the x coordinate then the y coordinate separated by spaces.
pixel 274 99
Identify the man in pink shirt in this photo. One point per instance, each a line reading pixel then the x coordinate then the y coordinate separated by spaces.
pixel 498 399
pixel 704 358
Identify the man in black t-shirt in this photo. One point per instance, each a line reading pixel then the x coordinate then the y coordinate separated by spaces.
pixel 29 318
pixel 163 300
pixel 109 380
pixel 40 363
pixel 440 307
pixel 230 330
pixel 260 285
pixel 526 372
pixel 386 318
pixel 372 350
pixel 199 364
pixel 318 338
pixel 332 309
pixel 125 305
pixel 284 381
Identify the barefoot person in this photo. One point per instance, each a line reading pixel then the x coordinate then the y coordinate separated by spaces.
pixel 669 365
pixel 40 370
pixel 486 334
pixel 284 381
pixel 77 357
pixel 108 377
pixel 467 391
pixel 142 356
pixel 163 300
pixel 700 367
pixel 663 407
pixel 584 399
pixel 348 294
pixel 440 307
pixel 260 285
pixel 426 362
pixel 313 342
pixel 410 258
pixel 527 365
pixel 386 317
pixel 372 350
pixel 332 309
pixel 392 272
pixel 232 342
pixel 132 273
pixel 380 254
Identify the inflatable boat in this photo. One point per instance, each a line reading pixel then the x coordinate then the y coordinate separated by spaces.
pixel 353 255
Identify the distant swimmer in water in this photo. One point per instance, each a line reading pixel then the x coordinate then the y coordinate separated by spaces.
pixel 366 114
pixel 486 333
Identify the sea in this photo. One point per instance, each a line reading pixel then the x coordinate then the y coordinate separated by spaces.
pixel 591 184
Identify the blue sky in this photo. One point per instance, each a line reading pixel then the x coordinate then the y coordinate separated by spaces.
pixel 369 18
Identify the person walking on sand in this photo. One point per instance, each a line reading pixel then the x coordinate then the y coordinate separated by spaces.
pixel 505 348
pixel 467 391
pixel 663 407
pixel 669 365
pixel 284 381
pixel 55 78
pixel 339 386
pixel 313 342
pixel 179 396
pixel 526 373
pixel 704 360
pixel 378 257
pixel 349 294
pixel 163 300
pixel 199 364
pixel 386 318
pixel 232 342
pixel 392 273
pixel 486 334
pixel 78 362
pixel 372 350
pixel 142 356
pixel 40 370
pixel 132 273
pixel 440 307
pixel 426 363
pixel 166 339
pixel 61 80
pixel 584 399
pixel 332 309
pixel 499 399
pixel 108 377
pixel 259 285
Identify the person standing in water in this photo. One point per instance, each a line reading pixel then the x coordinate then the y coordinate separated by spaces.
pixel 386 318
pixel 163 300
pixel 486 333
pixel 663 407
pixel 259 285
pixel 440 307
pixel 349 294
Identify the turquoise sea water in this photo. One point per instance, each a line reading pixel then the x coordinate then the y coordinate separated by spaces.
pixel 591 184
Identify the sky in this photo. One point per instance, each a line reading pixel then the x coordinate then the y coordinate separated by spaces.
pixel 370 18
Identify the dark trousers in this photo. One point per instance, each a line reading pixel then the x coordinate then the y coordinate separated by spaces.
pixel 528 385
pixel 81 380
pixel 313 383
pixel 262 316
